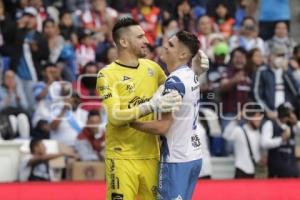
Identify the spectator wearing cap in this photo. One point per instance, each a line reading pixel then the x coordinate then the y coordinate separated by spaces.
pixel 246 138
pixel 30 49
pixel 278 137
pixel 85 50
pixel 247 36
pixel 274 84
pixel 210 89
pixel 281 39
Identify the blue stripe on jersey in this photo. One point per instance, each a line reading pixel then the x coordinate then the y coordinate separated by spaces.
pixel 164 149
pixel 174 83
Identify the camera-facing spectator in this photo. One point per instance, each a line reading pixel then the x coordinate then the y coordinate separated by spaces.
pixel 274 84
pixel 281 39
pixel 247 36
pixel 223 19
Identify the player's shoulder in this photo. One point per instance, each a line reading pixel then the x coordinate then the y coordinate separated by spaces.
pixel 149 63
pixel 107 70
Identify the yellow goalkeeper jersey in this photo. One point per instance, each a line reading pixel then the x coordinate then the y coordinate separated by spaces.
pixel 122 88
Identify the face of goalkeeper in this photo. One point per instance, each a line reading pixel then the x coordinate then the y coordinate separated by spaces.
pixel 135 41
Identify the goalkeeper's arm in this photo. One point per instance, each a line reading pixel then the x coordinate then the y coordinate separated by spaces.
pixel 120 117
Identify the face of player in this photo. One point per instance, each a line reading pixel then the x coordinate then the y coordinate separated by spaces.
pixel 137 41
pixel 171 50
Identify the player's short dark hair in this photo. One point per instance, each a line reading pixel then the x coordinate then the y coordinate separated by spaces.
pixel 93 113
pixel 33 143
pixel 190 40
pixel 120 24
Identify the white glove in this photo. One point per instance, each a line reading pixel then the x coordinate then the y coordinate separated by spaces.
pixel 162 103
pixel 165 103
pixel 200 63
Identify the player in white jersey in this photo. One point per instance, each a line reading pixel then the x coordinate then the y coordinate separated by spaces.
pixel 181 147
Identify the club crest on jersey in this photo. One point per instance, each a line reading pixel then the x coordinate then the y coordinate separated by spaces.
pixel 125 78
pixel 150 72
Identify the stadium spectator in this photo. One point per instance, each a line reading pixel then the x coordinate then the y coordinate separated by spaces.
pixel 13 104
pixel 35 167
pixel 223 20
pixel 294 64
pixel 278 137
pixel 85 50
pixel 91 138
pixel 147 14
pixel 236 84
pixel 269 15
pixel 86 87
pixel 246 138
pixel 30 49
pixel 100 19
pixel 67 28
pixel 274 84
pixel 247 36
pixel 255 60
pixel 281 39
pixel 42 130
pixel 185 16
pixel 67 120
pixel 205 28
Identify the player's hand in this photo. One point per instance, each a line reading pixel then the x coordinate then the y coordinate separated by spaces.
pixel 200 63
pixel 165 103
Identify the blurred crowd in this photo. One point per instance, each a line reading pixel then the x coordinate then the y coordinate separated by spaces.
pixel 51 51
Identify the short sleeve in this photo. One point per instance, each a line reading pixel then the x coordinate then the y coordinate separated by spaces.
pixel 174 83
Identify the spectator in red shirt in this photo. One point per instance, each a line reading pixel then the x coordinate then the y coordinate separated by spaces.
pixel 147 15
pixel 86 87
pixel 93 133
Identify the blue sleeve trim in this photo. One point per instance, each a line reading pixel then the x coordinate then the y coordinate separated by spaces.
pixel 174 83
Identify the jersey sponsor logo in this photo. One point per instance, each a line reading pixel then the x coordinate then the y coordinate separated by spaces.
pixel 116 196
pixel 125 78
pixel 115 182
pixel 106 96
pixel 150 72
pixel 137 101
pixel 103 88
pixel 195 141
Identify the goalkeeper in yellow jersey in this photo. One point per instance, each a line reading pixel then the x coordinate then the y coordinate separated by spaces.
pixel 129 89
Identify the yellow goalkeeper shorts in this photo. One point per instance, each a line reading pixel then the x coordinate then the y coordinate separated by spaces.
pixel 134 179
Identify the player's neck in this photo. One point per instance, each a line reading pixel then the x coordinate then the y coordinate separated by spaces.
pixel 175 65
pixel 128 59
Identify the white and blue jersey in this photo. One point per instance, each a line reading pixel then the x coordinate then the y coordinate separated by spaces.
pixel 181 147
pixel 182 141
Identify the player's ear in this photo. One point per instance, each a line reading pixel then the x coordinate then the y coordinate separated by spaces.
pixel 123 42
pixel 184 54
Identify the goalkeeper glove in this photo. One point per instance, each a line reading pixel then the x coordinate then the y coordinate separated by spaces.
pixel 162 103
pixel 200 63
